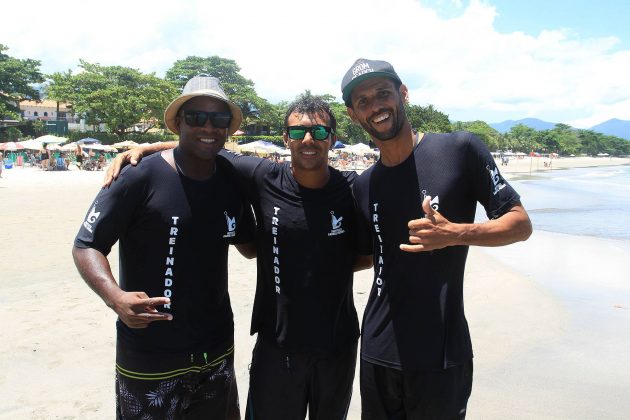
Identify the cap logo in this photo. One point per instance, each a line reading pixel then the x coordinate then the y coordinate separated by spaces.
pixel 361 69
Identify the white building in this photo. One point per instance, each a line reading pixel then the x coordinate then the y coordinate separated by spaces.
pixel 47 110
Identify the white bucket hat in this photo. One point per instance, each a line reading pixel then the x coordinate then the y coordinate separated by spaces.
pixel 202 86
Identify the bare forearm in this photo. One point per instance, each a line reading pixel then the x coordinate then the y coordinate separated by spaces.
pixel 96 271
pixel 158 147
pixel 514 226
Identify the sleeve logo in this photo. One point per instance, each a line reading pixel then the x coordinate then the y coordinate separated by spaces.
pixel 91 218
pixel 231 225
pixel 496 179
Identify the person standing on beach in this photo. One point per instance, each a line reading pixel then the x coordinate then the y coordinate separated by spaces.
pixel 1 163
pixel 417 202
pixel 304 314
pixel 78 153
pixel 175 217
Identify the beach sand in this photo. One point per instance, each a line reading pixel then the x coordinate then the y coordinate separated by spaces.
pixel 57 348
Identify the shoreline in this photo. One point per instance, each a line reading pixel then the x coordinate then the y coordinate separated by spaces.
pixel 532 165
pixel 57 330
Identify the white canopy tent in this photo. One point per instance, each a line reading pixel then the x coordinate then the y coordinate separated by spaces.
pixel 263 147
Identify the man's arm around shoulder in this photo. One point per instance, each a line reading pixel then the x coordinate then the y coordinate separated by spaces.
pixel 133 156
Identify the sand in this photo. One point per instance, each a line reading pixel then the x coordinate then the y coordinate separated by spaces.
pixel 57 348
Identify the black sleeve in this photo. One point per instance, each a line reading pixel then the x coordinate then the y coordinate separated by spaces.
pixel 363 235
pixel 246 229
pixel 109 216
pixel 493 192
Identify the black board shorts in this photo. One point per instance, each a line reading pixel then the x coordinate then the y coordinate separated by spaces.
pixel 185 386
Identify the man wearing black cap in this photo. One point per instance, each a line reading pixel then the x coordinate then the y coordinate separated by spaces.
pixel 418 205
pixel 175 217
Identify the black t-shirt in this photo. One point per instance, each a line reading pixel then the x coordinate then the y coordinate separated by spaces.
pixel 174 234
pixel 306 250
pixel 414 318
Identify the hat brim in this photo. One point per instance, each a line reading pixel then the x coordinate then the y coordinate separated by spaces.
pixel 171 111
pixel 347 92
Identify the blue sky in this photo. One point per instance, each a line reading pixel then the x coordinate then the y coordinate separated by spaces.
pixel 585 18
pixel 493 60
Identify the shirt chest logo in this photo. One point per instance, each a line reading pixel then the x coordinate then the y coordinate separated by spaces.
pixel 435 201
pixel 335 223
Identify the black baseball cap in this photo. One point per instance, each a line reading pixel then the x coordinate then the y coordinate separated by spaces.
pixel 363 69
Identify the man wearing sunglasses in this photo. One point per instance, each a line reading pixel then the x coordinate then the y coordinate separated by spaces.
pixel 303 312
pixel 418 205
pixel 175 216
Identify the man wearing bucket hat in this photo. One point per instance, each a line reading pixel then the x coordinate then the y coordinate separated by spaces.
pixel 175 217
pixel 418 205
pixel 304 313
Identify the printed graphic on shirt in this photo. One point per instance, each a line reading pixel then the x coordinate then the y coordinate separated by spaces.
pixel 378 270
pixel 91 218
pixel 435 201
pixel 275 250
pixel 170 261
pixel 335 223
pixel 231 225
pixel 496 179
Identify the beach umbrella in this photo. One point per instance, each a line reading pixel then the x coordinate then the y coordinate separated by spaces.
pixel 339 145
pixel 263 147
pixel 50 139
pixel 11 146
pixel 127 144
pixel 88 140
pixel 31 144
pixel 101 147
pixel 70 147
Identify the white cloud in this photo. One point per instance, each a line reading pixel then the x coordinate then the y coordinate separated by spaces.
pixel 461 65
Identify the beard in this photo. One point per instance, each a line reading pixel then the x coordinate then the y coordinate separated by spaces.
pixel 399 117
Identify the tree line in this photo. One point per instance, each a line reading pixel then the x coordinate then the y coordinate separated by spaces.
pixel 121 97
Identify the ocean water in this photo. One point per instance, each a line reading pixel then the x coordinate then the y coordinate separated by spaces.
pixel 583 201
pixel 578 254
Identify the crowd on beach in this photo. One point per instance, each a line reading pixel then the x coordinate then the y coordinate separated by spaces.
pixel 56 160
pixel 338 159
